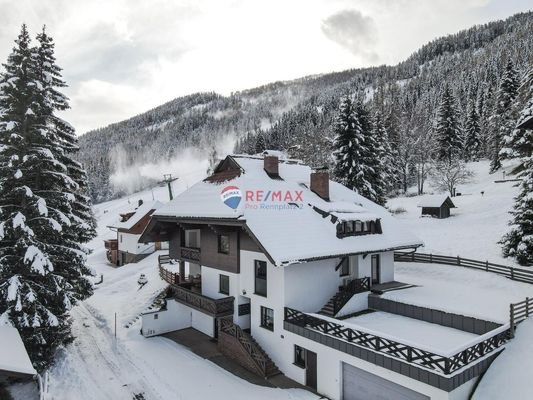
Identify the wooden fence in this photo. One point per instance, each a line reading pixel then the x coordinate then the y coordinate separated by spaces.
pixel 517 274
pixel 519 312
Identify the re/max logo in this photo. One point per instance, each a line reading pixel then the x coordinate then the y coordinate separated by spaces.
pixel 273 195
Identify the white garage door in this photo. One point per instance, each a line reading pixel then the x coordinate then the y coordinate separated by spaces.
pixel 361 385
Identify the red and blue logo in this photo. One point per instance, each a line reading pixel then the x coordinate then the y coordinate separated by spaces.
pixel 231 196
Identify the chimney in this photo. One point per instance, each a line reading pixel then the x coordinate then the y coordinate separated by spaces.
pixel 140 203
pixel 271 166
pixel 320 182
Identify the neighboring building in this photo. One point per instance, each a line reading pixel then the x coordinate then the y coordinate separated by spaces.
pixel 437 206
pixel 126 247
pixel 527 123
pixel 282 265
pixel 14 359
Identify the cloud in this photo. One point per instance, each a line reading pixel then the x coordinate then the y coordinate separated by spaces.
pixel 354 31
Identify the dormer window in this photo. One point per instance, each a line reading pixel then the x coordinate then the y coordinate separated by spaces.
pixel 357 228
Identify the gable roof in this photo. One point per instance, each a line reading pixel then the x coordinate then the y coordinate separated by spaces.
pixel 136 215
pixel 290 234
pixel 525 123
pixel 14 360
pixel 436 201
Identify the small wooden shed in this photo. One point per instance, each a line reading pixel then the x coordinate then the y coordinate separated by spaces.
pixel 437 206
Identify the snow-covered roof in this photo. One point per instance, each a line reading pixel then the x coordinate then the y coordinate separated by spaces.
pixel 14 357
pixel 435 201
pixel 139 213
pixel 291 234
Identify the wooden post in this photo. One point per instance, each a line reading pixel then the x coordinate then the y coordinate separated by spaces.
pixel 458 260
pixel 512 273
pixel 527 307
pixel 182 271
pixel 430 257
pixel 511 312
pixel 487 265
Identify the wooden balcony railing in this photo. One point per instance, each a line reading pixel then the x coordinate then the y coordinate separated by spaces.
pixel 213 307
pixel 358 285
pixel 442 363
pixel 190 253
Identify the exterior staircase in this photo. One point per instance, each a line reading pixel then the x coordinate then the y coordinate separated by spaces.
pixel 242 347
pixel 339 300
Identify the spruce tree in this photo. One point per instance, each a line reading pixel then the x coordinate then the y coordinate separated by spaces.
pixel 447 130
pixel 42 263
pixel 472 149
pixel 519 142
pixel 518 242
pixel 504 120
pixel 384 173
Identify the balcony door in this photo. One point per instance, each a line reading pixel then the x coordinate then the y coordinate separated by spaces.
pixel 192 238
pixel 376 268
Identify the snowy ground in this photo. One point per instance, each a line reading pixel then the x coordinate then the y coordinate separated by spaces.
pixel 476 225
pixel 99 366
pixel 509 377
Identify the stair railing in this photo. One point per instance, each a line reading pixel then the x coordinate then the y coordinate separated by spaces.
pixel 358 285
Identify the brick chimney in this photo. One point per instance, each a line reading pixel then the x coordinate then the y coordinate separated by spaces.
pixel 320 182
pixel 271 166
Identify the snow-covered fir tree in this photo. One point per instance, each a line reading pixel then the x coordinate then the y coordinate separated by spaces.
pixel 447 129
pixel 519 142
pixel 518 242
pixel 42 263
pixel 504 119
pixel 383 155
pixel 472 147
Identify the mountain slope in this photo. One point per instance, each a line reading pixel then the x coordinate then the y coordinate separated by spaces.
pixel 286 115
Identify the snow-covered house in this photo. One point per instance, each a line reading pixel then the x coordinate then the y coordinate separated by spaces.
pixel 286 269
pixel 126 248
pixel 438 206
pixel 14 359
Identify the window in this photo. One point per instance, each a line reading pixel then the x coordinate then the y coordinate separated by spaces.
pixel 358 227
pixel 267 318
pixel 223 244
pixel 299 356
pixel 223 284
pixel 156 316
pixel 375 264
pixel 260 278
pixel 192 238
pixel 345 267
pixel 349 227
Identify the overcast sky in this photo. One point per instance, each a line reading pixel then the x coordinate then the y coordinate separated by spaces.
pixel 122 57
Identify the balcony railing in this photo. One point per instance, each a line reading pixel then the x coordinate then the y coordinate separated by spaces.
pixel 441 363
pixel 190 253
pixel 213 307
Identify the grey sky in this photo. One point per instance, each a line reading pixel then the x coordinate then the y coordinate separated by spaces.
pixel 122 57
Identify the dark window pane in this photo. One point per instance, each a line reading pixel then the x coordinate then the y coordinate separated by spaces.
pixel 349 227
pixel 224 284
pixel 267 318
pixel 260 278
pixel 299 356
pixel 223 244
pixel 345 267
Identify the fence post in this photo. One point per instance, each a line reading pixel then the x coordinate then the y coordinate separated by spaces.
pixel 512 273
pixel 487 265
pixel 458 260
pixel 413 256
pixel 431 257
pixel 527 307
pixel 511 312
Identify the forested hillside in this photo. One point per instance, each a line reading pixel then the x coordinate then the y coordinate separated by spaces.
pixel 298 116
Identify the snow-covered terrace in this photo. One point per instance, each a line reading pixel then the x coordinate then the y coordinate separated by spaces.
pixel 457 290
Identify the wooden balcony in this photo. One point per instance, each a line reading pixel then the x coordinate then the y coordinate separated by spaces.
pixel 213 307
pixel 111 244
pixel 190 254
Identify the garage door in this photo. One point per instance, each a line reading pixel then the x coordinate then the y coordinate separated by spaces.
pixel 361 385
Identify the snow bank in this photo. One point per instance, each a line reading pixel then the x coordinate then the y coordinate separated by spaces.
pixel 14 356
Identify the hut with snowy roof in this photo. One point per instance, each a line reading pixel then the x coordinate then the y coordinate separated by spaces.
pixel 437 206
pixel 14 359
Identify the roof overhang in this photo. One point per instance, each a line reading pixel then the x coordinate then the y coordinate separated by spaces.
pixel 14 374
pixel 526 124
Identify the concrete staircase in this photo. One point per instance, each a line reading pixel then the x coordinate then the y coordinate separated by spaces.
pixel 339 300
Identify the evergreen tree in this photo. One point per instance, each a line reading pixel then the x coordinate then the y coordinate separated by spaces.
pixel 42 264
pixel 448 133
pixel 519 142
pixel 504 121
pixel 472 135
pixel 383 156
pixel 518 242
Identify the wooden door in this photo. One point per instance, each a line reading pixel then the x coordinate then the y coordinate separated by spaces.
pixel 311 370
pixel 375 261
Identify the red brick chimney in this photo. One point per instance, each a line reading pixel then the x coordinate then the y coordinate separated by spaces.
pixel 320 182
pixel 271 166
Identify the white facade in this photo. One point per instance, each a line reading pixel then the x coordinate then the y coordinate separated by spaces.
pixel 129 243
